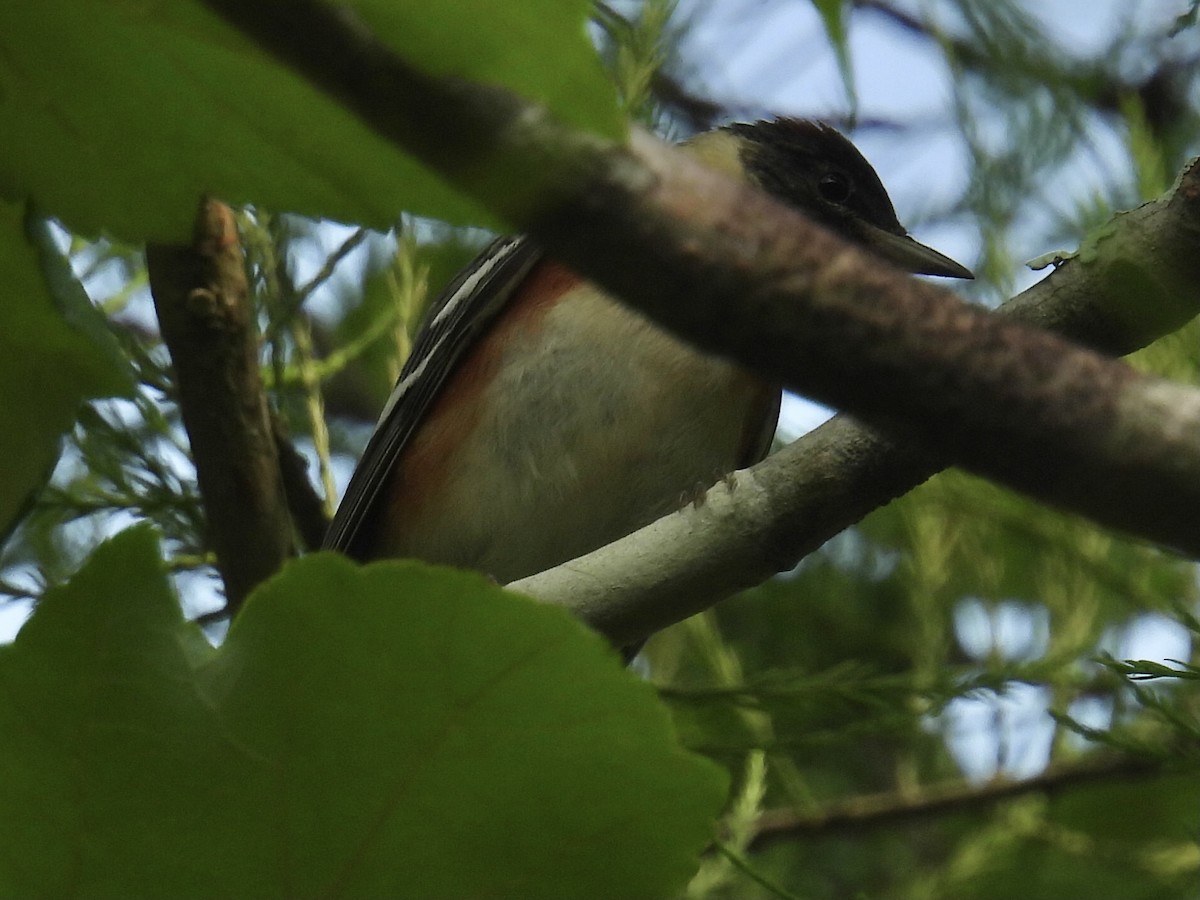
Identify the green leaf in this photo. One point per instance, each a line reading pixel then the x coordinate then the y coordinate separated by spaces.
pixel 47 367
pixel 76 306
pixel 394 730
pixel 118 116
pixel 538 48
pixel 833 19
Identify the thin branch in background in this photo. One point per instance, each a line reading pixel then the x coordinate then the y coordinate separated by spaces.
pixel 886 809
pixel 13 592
pixel 384 323
pixel 331 263
pixel 300 295
pixel 738 824
pixel 305 504
pixel 740 863
pixel 212 617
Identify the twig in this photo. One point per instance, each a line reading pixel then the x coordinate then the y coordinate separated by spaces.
pixel 305 504
pixel 795 500
pixel 876 810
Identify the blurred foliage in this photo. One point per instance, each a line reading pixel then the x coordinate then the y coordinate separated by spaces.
pixel 875 705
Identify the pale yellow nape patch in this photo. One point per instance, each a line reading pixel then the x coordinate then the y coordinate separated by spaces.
pixel 719 150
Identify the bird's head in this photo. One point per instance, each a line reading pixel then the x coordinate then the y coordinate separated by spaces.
pixel 813 168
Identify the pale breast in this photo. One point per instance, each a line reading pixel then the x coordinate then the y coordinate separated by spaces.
pixel 583 446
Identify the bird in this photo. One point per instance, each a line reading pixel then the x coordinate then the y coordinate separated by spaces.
pixel 537 418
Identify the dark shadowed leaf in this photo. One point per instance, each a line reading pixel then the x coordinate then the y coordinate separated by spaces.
pixel 47 365
pixel 148 106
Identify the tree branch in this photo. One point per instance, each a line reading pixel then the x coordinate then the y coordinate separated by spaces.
pixel 791 503
pixel 735 272
pixel 201 297
pixel 305 505
pixel 878 810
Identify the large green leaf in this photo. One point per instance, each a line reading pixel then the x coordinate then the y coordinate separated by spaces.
pixel 119 116
pixel 539 48
pixel 395 730
pixel 47 365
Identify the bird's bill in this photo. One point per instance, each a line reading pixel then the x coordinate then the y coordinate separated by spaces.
pixel 913 256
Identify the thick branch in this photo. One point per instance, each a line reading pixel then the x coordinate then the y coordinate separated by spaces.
pixel 739 274
pixel 794 501
pixel 201 298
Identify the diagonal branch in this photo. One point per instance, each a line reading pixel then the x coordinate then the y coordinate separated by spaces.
pixel 791 503
pixel 859 813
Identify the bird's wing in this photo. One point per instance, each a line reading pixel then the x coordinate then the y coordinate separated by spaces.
pixel 759 440
pixel 454 322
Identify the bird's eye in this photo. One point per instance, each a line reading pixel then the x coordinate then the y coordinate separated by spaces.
pixel 834 187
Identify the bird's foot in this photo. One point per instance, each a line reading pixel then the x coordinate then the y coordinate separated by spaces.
pixel 694 497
